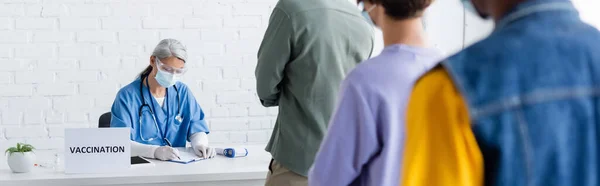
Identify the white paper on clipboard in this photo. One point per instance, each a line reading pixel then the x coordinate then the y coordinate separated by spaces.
pixel 186 156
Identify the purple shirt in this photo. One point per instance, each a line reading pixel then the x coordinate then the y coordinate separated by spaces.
pixel 366 133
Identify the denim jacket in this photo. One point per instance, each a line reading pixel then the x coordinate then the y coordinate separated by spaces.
pixel 532 89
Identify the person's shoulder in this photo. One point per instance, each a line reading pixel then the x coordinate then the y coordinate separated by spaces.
pixel 437 75
pixel 366 67
pixel 130 89
pixel 369 74
pixel 182 88
pixel 436 81
pixel 288 6
pixel 386 70
pixel 363 71
pixel 292 7
pixel 503 43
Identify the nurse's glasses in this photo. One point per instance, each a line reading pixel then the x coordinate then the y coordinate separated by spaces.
pixel 166 68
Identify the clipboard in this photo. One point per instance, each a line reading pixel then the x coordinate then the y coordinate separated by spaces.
pixel 187 156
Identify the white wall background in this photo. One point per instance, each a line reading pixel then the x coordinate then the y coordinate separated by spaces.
pixel 448 27
pixel 588 10
pixel 62 61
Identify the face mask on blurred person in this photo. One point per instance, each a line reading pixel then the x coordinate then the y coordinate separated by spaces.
pixel 365 13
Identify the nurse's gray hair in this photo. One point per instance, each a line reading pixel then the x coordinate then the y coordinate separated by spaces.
pixel 167 48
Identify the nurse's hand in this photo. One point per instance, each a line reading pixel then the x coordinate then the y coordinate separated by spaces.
pixel 204 151
pixel 200 145
pixel 166 153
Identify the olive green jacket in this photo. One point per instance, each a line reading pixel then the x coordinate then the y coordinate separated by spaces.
pixel 307 50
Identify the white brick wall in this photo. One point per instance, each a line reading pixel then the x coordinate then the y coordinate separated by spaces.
pixel 64 60
pixel 24 132
pixel 5 23
pixel 13 37
pixel 38 51
pixel 52 37
pixel 96 37
pixel 120 23
pixel 197 22
pixel 10 10
pixel 16 90
pixel 70 23
pixel 89 10
pixel 35 23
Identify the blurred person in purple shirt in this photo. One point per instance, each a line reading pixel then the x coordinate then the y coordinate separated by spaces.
pixel 365 139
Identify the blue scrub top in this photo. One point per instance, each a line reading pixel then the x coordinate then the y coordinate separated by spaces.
pixel 125 113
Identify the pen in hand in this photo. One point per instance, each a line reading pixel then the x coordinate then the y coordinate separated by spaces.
pixel 170 145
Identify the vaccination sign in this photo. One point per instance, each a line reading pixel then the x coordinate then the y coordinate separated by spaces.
pixel 97 150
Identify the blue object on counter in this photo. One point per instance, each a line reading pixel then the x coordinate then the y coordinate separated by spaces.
pixel 232 152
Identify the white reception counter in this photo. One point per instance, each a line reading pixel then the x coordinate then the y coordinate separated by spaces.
pixel 247 171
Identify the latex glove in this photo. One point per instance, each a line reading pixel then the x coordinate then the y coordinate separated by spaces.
pixel 205 151
pixel 166 153
pixel 199 143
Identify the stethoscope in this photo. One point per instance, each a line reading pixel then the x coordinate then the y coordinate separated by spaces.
pixel 144 104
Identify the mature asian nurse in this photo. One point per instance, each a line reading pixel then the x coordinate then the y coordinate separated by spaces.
pixel 160 110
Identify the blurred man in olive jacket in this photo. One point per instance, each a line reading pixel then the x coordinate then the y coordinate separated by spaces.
pixel 308 48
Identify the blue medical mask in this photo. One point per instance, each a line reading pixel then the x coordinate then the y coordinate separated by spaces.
pixel 365 14
pixel 165 79
pixel 367 17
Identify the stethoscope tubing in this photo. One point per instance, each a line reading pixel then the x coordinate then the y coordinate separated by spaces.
pixel 144 104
